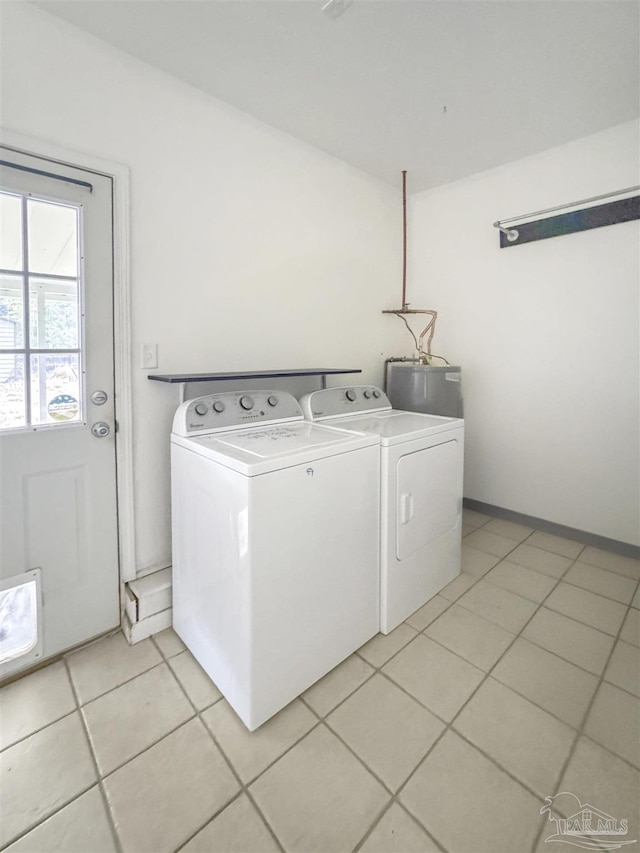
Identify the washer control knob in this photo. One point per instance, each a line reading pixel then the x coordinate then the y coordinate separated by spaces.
pixel 218 406
pixel 367 394
pixel 246 403
pixel 200 409
pixel 350 395
pixel 376 393
pixel 272 401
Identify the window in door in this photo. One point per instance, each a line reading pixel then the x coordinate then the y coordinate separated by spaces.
pixel 41 329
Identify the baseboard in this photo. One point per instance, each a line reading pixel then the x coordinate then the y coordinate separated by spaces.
pixel 625 549
pixel 135 632
pixel 147 605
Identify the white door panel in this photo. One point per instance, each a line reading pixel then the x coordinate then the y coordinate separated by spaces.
pixel 428 496
pixel 58 509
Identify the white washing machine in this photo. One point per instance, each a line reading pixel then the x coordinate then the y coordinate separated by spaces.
pixel 275 527
pixel 422 459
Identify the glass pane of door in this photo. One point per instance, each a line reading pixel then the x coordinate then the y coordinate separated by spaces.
pixel 54 314
pixel 55 389
pixel 53 238
pixel 10 232
pixel 12 391
pixel 11 312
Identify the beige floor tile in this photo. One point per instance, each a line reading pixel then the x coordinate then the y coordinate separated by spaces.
pixel 33 702
pixel 162 797
pixel 498 605
pixel 594 610
pixel 468 804
pixel 428 612
pixel 319 796
pixel 548 681
pixel 636 599
pixel 458 587
pixel 330 690
pixel 522 738
pixel 387 729
pixel 398 832
pixel 467 529
pixel 42 773
pixel 475 518
pixel 624 668
pixel 435 676
pixel 476 562
pixel 571 640
pixel 169 643
pixel 238 829
pixel 610 584
pixel 525 582
pixel 384 646
pixel 548 831
pixel 613 562
pixel 470 636
pixel 509 529
pixel 109 663
pixel 556 544
pixel 540 560
pixel 631 629
pixel 130 718
pixel 80 827
pixel 499 546
pixel 597 777
pixel 251 752
pixel 614 722
pixel 194 680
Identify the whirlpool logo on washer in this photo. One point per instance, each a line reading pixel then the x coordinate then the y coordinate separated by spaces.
pixel 310 472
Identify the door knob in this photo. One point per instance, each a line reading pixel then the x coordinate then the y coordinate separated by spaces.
pixel 100 429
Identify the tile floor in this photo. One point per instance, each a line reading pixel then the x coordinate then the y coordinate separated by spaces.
pixel 519 681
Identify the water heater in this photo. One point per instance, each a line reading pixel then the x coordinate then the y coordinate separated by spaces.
pixel 424 388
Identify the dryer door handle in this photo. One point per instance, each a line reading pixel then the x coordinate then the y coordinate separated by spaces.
pixel 406 507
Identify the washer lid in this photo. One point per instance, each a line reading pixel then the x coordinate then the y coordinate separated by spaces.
pixel 395 426
pixel 263 449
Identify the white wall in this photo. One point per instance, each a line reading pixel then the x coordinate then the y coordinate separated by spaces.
pixel 546 333
pixel 249 249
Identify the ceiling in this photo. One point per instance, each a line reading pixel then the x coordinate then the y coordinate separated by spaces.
pixel 442 88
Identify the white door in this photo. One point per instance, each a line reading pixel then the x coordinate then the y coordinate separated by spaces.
pixel 428 483
pixel 59 582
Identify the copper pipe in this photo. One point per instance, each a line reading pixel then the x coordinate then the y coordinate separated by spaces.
pixel 404 240
pixel 423 357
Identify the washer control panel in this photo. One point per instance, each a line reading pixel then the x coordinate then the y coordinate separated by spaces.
pixel 232 409
pixel 349 400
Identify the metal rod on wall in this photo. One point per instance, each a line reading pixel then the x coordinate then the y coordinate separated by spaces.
pixel 500 222
pixel 587 217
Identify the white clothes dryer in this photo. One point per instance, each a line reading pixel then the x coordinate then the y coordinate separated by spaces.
pixel 421 470
pixel 275 527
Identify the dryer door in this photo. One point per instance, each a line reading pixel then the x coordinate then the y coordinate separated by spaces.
pixel 428 495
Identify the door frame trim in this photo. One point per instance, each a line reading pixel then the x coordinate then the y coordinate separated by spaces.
pixel 120 175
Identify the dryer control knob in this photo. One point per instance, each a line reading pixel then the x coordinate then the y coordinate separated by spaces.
pixel 218 406
pixel 272 401
pixel 367 394
pixel 376 393
pixel 350 395
pixel 201 409
pixel 246 403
